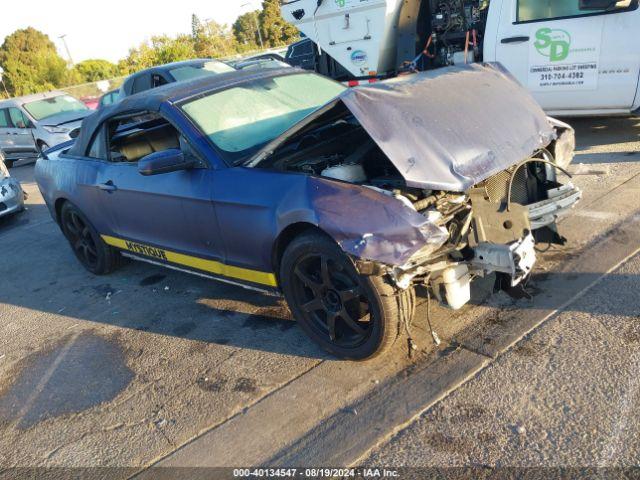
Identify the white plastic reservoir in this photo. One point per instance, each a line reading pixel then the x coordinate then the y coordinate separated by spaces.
pixel 457 283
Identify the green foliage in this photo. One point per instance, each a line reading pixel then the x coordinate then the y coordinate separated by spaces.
pixel 275 30
pixel 94 70
pixel 161 49
pixel 31 63
pixel 245 29
pixel 211 39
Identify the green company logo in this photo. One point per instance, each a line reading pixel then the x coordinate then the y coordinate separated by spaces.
pixel 341 3
pixel 554 44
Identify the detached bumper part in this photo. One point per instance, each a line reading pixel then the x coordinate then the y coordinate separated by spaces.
pixel 516 260
pixel 560 201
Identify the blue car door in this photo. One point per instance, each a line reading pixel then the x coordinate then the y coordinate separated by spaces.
pixel 169 212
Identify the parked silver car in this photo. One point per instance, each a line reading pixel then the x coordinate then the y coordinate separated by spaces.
pixel 11 194
pixel 32 124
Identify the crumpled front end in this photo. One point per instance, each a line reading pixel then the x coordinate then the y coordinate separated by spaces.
pixel 494 228
pixel 443 239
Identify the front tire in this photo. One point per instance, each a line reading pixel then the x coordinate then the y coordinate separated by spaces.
pixel 350 315
pixel 87 245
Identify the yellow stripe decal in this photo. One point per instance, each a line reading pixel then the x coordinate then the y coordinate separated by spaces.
pixel 211 266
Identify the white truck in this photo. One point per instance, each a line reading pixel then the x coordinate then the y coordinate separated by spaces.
pixel 577 57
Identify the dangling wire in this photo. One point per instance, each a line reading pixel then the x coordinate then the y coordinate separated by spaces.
pixel 411 345
pixel 434 335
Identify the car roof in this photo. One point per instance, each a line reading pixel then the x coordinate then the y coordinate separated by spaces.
pixel 30 98
pixel 151 100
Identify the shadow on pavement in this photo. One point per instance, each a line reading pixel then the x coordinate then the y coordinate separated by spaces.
pixel 594 132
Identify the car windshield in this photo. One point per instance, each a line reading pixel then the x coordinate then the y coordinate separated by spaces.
pixel 190 72
pixel 266 63
pixel 48 107
pixel 240 120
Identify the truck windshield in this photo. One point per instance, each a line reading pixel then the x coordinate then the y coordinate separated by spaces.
pixel 240 120
pixel 48 107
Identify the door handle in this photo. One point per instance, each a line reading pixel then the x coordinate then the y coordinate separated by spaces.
pixel 107 187
pixel 520 39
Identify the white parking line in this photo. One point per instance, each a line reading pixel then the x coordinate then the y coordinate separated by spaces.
pixel 627 407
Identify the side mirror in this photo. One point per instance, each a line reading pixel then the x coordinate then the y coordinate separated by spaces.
pixel 597 4
pixel 171 160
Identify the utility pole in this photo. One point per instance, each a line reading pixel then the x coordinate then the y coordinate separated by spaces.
pixel 255 19
pixel 66 47
pixel 259 32
pixel 6 92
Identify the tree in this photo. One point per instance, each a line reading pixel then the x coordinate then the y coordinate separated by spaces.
pixel 245 28
pixel 212 39
pixel 161 49
pixel 31 63
pixel 275 30
pixel 95 70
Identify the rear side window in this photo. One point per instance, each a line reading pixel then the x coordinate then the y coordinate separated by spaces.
pixel 109 98
pixel 141 83
pixel 532 10
pixel 97 148
pixel 4 118
pixel 133 138
pixel 17 118
pixel 158 80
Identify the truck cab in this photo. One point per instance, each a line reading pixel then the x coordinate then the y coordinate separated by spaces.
pixel 577 57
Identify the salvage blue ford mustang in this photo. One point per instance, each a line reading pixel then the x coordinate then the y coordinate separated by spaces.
pixel 344 200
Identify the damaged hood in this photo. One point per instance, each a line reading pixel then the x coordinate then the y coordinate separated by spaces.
pixel 451 128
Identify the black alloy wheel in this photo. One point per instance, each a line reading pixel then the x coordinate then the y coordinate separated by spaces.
pixel 81 240
pixel 332 301
pixel 350 315
pixel 95 255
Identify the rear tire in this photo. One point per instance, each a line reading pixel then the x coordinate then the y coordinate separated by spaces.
pixel 350 315
pixel 86 243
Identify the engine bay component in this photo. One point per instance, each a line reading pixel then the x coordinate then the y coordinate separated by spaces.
pixel 457 286
pixel 516 260
pixel 560 201
pixel 493 223
pixel 347 173
pixel 457 29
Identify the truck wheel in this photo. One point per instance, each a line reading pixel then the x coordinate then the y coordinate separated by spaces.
pixel 95 255
pixel 350 315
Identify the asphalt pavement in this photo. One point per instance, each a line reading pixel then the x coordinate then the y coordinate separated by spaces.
pixel 566 395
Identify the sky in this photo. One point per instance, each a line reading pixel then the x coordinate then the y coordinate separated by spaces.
pixel 107 30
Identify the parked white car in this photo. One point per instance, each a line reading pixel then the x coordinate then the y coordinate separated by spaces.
pixel 11 194
pixel 30 125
